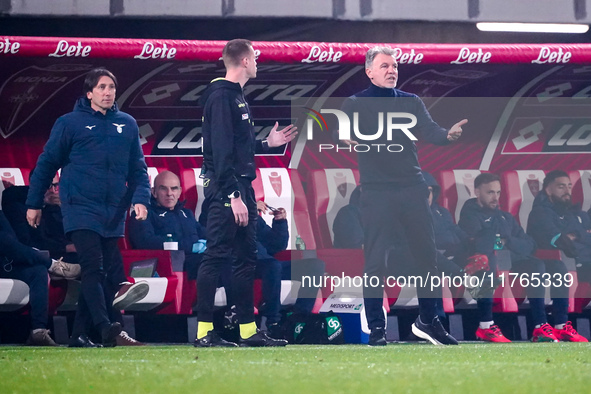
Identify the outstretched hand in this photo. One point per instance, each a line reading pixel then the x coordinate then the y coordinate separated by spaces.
pixel 281 137
pixel 456 130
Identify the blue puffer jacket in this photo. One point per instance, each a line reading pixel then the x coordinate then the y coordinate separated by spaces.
pixel 548 221
pixel 151 233
pixel 482 224
pixel 103 169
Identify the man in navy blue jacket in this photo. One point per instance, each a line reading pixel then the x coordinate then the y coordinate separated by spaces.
pixel 394 194
pixel 49 235
pixel 228 170
pixel 167 215
pixel 103 172
pixel 556 223
pixel 22 262
pixel 482 220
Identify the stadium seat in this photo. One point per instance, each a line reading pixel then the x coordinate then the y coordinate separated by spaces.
pixel 457 187
pixel 163 297
pixel 519 191
pixel 330 190
pixel 520 188
pixel 13 177
pixel 14 295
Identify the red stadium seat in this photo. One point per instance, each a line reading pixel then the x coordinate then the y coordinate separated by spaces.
pixel 457 187
pixel 163 297
pixel 13 177
pixel 330 190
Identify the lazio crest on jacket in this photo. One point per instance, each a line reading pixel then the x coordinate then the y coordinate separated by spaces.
pixel 103 169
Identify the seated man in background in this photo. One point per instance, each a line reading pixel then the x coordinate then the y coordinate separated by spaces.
pixel 556 223
pixel 167 215
pixel 347 227
pixel 22 262
pixel 270 241
pixel 49 235
pixel 451 241
pixel 482 220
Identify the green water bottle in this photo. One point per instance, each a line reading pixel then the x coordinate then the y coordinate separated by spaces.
pixel 300 244
pixel 498 242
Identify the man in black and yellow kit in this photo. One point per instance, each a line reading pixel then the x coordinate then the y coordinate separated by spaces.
pixel 228 170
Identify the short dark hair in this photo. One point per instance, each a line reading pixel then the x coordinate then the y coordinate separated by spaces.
pixel 551 177
pixel 93 77
pixel 485 178
pixel 235 50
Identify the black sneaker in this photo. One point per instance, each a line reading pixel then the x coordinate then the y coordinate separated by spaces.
pixel 82 341
pixel 212 339
pixel 261 339
pixel 275 331
pixel 109 334
pixel 377 337
pixel 434 332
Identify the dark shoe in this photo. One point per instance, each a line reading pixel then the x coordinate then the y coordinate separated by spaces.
pixel 130 293
pixel 82 341
pixel 123 339
pixel 40 337
pixel 434 332
pixel 110 334
pixel 275 331
pixel 231 319
pixel 261 339
pixel 212 339
pixel 377 337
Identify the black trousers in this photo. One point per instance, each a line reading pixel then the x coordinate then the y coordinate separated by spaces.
pixel 35 276
pixel 102 271
pixel 230 249
pixel 384 212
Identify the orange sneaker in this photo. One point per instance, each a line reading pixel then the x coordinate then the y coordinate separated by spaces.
pixel 544 334
pixel 569 334
pixel 492 334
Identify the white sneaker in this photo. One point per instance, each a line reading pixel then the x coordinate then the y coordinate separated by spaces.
pixel 61 270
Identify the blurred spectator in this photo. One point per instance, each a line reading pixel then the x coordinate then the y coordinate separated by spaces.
pixel 167 215
pixel 270 241
pixel 556 223
pixel 22 262
pixel 483 221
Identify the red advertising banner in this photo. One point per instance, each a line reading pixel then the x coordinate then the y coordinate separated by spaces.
pixel 292 52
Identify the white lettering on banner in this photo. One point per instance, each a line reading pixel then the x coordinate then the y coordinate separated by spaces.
pixel 465 56
pixel 9 47
pixel 188 142
pixel 546 55
pixel 150 51
pixel 581 137
pixel 65 49
pixel 407 58
pixel 318 55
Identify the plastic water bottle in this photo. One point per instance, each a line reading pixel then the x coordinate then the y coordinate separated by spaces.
pixel 170 243
pixel 300 244
pixel 498 242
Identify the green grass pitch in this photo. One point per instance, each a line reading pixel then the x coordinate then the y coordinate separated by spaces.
pixel 468 368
